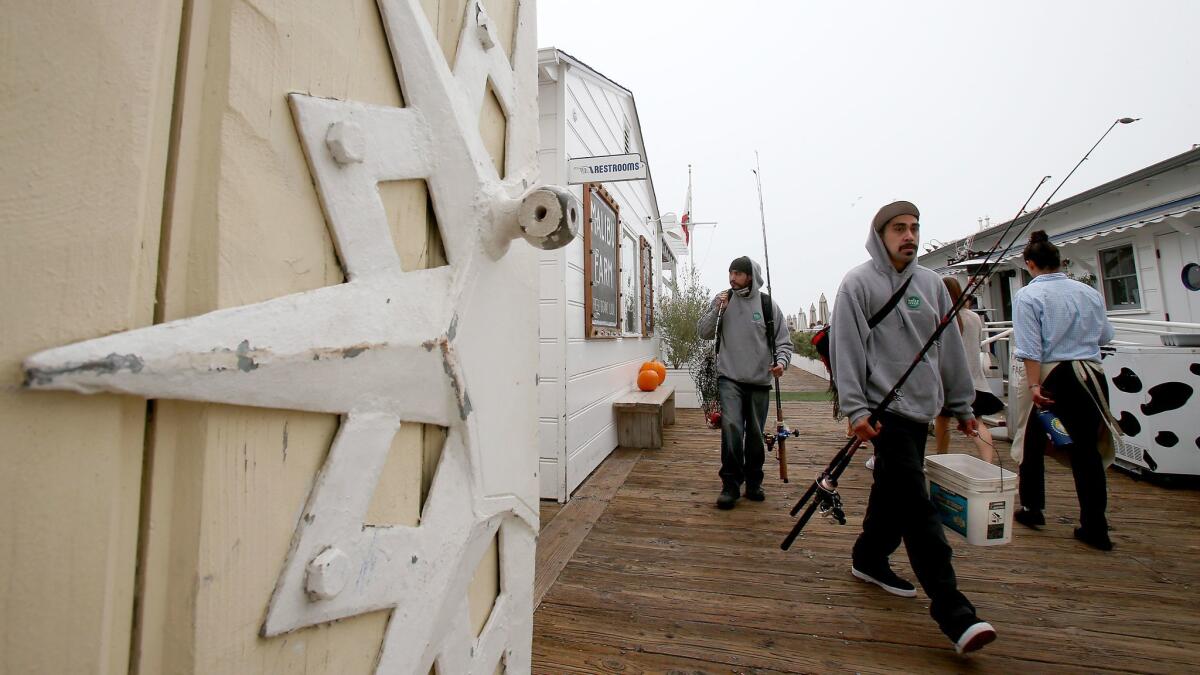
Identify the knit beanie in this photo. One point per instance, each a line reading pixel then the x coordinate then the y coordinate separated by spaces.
pixel 742 265
pixel 891 211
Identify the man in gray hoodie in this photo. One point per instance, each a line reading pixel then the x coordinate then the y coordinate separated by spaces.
pixel 746 367
pixel 867 362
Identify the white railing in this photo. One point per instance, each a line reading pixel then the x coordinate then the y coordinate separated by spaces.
pixel 1148 326
pixel 1001 335
pixel 1116 320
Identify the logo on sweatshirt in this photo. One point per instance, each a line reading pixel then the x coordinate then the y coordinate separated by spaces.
pixel 912 301
pixel 758 316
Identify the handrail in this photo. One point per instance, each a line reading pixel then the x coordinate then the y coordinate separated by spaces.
pixel 1007 332
pixel 995 338
pixel 1143 326
pixel 1153 322
pixel 1146 331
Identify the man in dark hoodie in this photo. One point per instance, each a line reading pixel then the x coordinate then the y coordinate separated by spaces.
pixel 746 368
pixel 867 362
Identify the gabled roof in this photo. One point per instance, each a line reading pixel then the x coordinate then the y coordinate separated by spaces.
pixel 1164 166
pixel 554 55
pixel 1095 229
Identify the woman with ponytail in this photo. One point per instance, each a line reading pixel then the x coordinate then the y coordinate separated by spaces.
pixel 1058 327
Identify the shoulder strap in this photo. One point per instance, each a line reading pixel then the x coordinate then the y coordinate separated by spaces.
pixel 720 326
pixel 768 311
pixel 889 305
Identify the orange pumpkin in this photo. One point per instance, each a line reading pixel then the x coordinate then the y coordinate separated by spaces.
pixel 647 380
pixel 658 368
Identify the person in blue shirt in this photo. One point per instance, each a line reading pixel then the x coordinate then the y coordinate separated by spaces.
pixel 1058 326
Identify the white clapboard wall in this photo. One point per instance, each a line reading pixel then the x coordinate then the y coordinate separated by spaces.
pixel 584 114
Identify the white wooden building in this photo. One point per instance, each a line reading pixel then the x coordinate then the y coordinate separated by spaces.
pixel 591 348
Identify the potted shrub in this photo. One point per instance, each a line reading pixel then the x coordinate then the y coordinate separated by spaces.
pixel 681 343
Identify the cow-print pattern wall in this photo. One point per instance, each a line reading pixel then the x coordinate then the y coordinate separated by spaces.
pixel 1150 399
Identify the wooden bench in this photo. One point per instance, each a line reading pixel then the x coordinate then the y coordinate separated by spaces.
pixel 641 416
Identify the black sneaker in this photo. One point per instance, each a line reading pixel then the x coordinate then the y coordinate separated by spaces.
pixel 755 493
pixel 976 634
pixel 1030 518
pixel 727 499
pixel 886 579
pixel 1097 540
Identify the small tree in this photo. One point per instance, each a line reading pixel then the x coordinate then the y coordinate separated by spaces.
pixel 677 319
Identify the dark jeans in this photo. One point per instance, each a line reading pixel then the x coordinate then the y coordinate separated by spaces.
pixel 1079 414
pixel 898 509
pixel 743 414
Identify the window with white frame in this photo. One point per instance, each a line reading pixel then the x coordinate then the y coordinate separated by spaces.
pixel 630 306
pixel 1118 273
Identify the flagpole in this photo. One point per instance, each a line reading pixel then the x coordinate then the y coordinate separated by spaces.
pixel 687 212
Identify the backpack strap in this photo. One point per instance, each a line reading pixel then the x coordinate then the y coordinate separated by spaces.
pixel 768 311
pixel 720 328
pixel 888 306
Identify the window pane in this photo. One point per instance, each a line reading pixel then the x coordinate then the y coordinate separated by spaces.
pixel 630 322
pixel 1108 260
pixel 1117 261
pixel 1116 293
pixel 1125 261
pixel 1122 293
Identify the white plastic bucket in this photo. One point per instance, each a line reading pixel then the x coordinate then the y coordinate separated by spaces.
pixel 973 497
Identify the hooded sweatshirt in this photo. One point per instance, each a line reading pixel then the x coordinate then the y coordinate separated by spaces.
pixel 745 355
pixel 868 362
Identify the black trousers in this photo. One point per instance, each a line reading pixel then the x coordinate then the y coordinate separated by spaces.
pixel 899 509
pixel 1079 414
pixel 743 414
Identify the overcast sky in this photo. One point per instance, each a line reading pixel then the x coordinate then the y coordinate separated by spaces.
pixel 960 107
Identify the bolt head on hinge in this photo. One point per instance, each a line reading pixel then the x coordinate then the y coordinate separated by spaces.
pixel 346 142
pixel 327 574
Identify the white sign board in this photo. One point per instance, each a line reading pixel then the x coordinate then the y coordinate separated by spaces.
pixel 606 169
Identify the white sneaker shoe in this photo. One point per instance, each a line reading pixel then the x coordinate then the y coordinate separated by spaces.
pixel 871 462
pixel 975 636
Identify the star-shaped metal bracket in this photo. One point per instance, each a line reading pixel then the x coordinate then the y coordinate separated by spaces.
pixel 385 347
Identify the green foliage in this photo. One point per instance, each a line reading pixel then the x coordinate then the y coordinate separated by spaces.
pixel 802 344
pixel 677 319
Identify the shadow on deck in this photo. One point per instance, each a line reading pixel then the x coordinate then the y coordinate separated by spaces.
pixel 655 579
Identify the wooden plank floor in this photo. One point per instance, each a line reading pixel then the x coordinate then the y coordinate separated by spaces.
pixel 665 582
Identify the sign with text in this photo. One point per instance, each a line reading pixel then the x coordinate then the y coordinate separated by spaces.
pixel 601 274
pixel 607 169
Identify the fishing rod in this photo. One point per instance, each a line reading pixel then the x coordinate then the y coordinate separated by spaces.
pixel 779 438
pixel 824 487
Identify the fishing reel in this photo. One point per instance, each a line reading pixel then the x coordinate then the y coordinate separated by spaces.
pixel 829 502
pixel 781 432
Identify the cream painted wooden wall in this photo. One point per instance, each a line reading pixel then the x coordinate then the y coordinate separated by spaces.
pixel 150 154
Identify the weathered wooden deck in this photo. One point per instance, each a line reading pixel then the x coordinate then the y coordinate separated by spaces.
pixel 655 579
